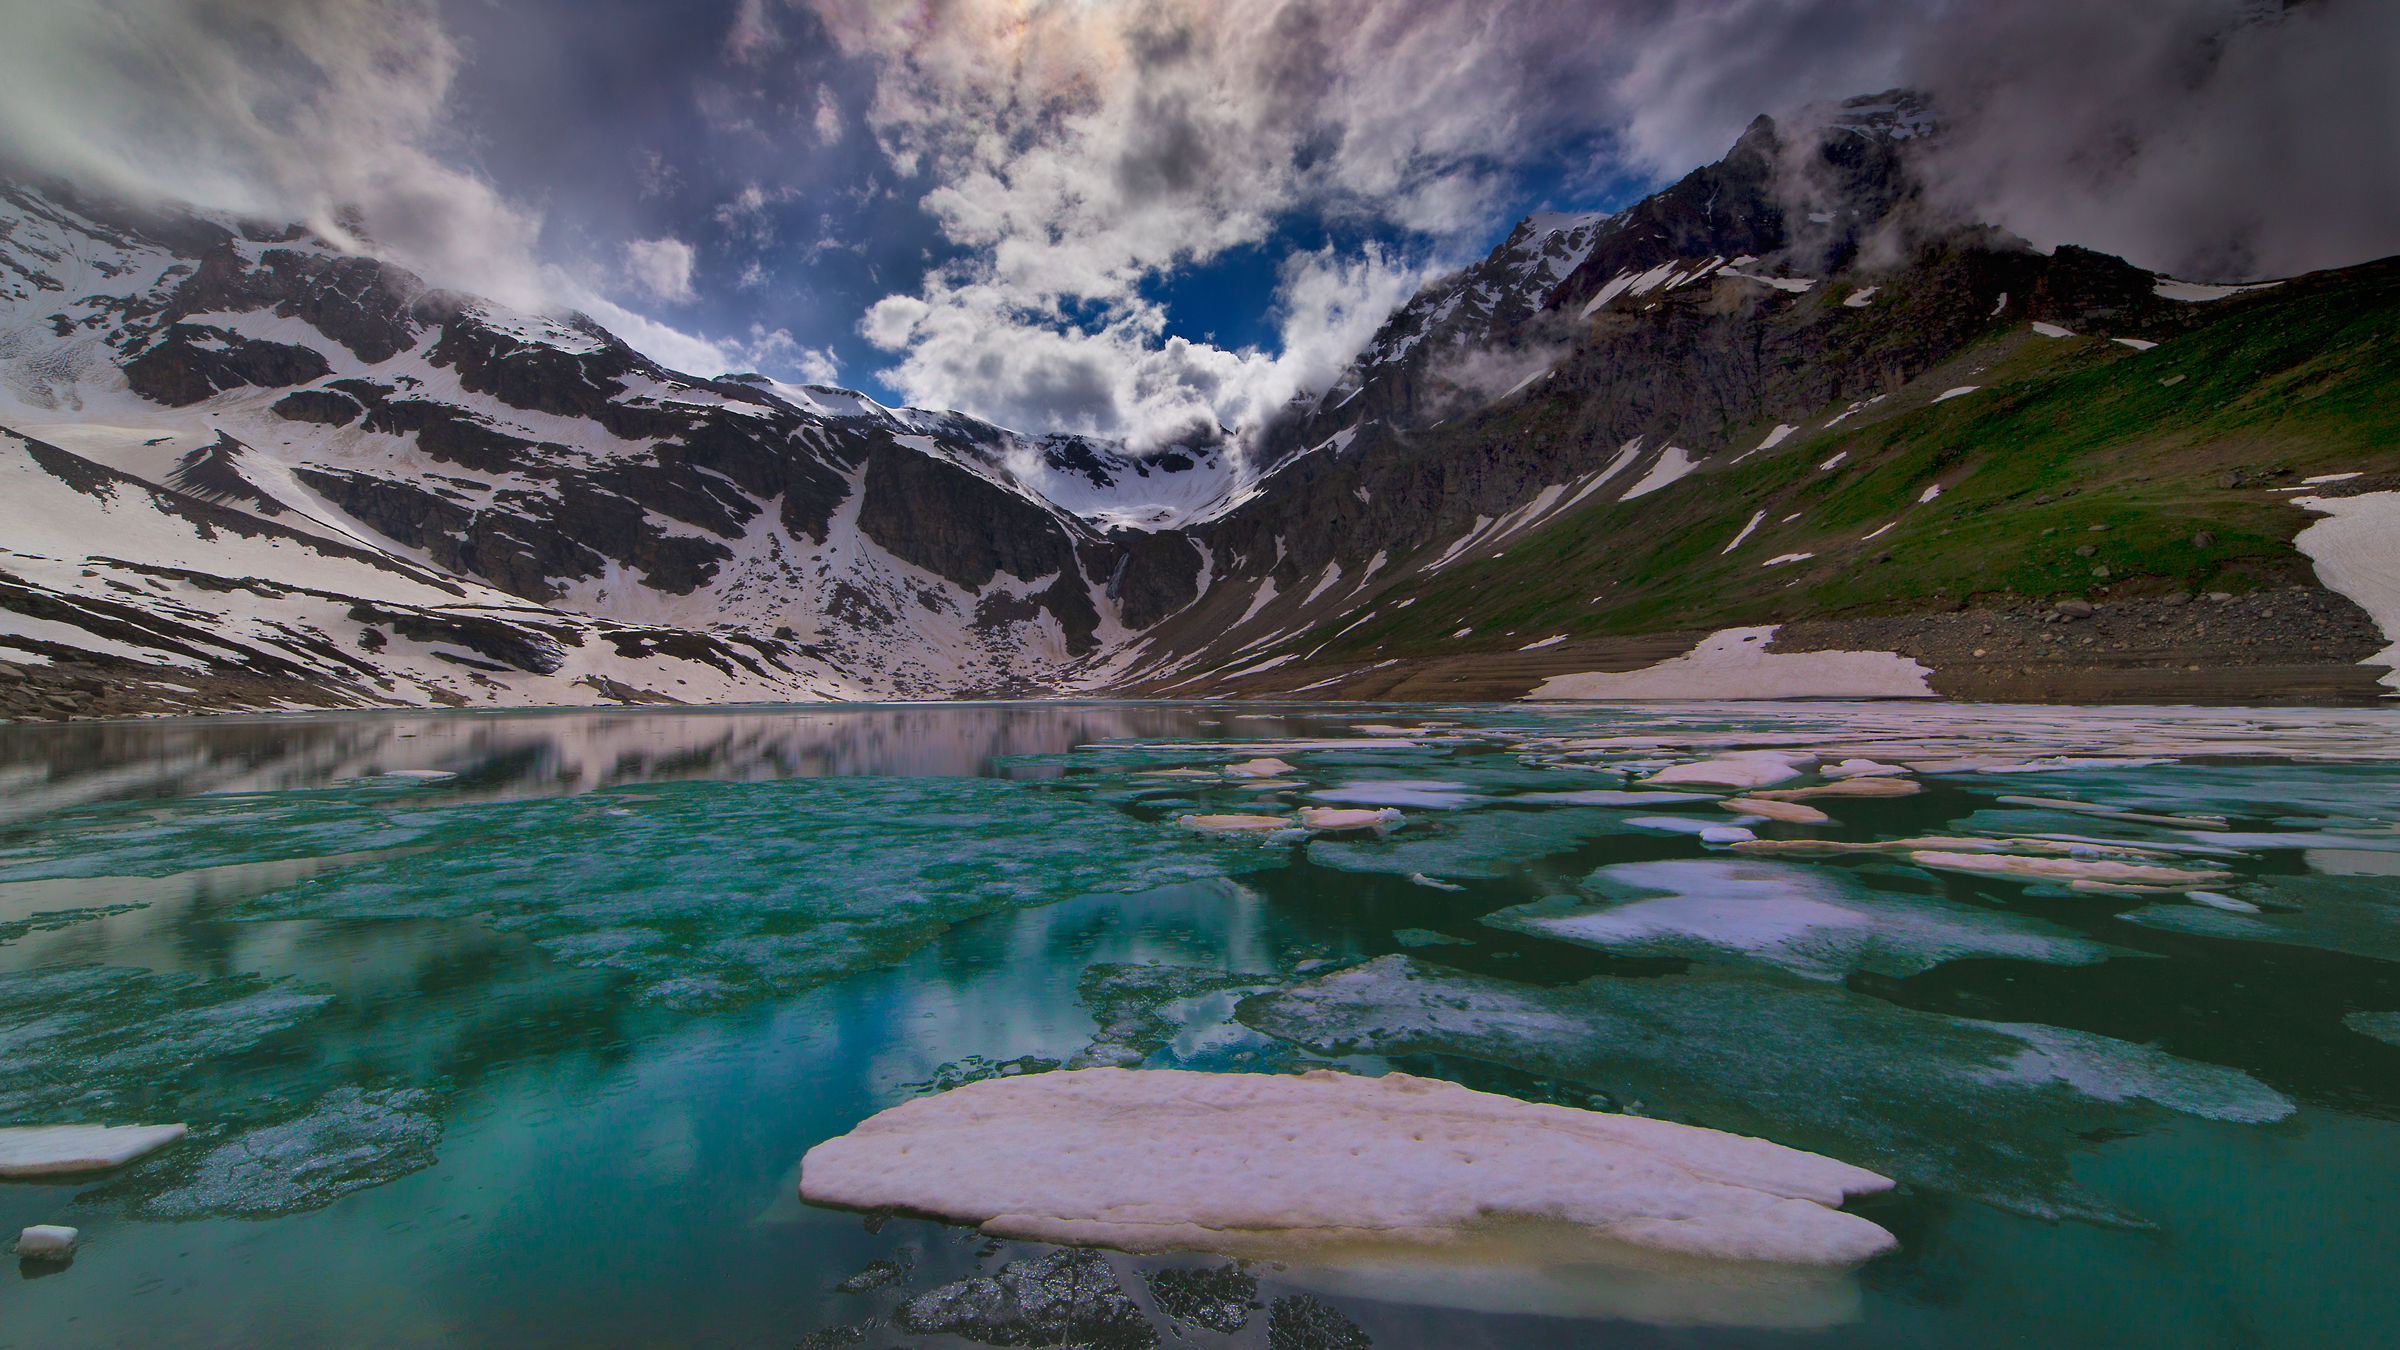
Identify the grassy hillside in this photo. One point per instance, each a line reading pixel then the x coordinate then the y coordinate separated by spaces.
pixel 2166 465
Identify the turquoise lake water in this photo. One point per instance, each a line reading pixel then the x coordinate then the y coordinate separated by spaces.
pixel 511 1029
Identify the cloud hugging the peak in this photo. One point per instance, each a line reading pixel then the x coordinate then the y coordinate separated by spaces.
pixel 1010 206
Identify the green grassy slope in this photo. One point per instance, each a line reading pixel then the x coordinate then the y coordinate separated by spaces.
pixel 2161 447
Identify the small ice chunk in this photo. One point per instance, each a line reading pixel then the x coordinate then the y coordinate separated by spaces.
pixel 1259 768
pixel 1434 883
pixel 47 1242
pixel 1276 1164
pixel 2230 904
pixel 1726 834
pixel 52 1150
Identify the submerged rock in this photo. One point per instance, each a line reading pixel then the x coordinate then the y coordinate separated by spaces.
pixel 352 1139
pixel 1299 1322
pixel 1219 1300
pixel 1312 1164
pixel 1068 1298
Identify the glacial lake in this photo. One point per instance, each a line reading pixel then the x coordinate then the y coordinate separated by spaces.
pixel 511 1029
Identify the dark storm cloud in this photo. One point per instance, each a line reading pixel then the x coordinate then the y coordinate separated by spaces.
pixel 969 173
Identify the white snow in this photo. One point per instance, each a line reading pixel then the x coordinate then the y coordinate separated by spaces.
pixel 1860 299
pixel 2194 292
pixel 1781 558
pixel 2331 478
pixel 1877 530
pixel 1550 641
pixel 1836 460
pixel 1158 1160
pixel 2051 330
pixel 1929 494
pixel 46 1150
pixel 2137 344
pixel 2356 549
pixel 1960 392
pixel 1733 663
pixel 1673 463
pixel 1755 518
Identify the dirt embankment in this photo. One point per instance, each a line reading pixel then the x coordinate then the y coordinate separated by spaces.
pixel 2302 645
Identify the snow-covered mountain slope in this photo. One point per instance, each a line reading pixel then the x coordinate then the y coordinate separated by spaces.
pixel 911 553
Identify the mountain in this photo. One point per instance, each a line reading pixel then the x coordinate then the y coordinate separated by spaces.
pixel 249 470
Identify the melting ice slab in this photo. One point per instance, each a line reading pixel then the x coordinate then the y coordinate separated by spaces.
pixel 55 1150
pixel 1158 1159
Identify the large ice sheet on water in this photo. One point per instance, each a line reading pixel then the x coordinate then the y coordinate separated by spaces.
pixel 52 1150
pixel 1983 1109
pixel 1811 921
pixel 1152 1160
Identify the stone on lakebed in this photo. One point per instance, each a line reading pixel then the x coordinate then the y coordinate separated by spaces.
pixel 1318 1164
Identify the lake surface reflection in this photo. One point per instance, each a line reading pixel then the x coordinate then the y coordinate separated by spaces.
pixel 511 1029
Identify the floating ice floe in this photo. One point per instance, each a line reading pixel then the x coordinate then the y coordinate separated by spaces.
pixel 1861 768
pixel 1975 1108
pixel 2115 812
pixel 1320 1164
pixel 1847 787
pixel 1175 773
pixel 1610 797
pixel 52 1150
pixel 2383 1026
pixel 2352 915
pixel 46 1242
pixel 1683 825
pixel 2063 869
pixel 1810 921
pixel 1259 768
pixel 1726 834
pixel 1434 883
pixel 1748 769
pixel 1234 824
pixel 1332 820
pixel 2034 846
pixel 421 775
pixel 1426 793
pixel 1790 813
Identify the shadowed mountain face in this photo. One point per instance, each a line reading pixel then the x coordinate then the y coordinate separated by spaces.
pixel 255 470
